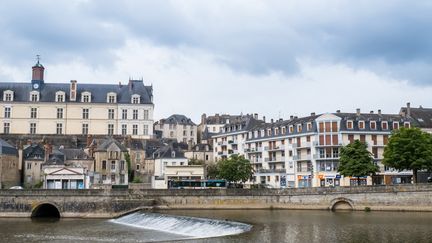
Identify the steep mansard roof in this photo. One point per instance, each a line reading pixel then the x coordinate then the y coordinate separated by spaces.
pixel 98 91
pixel 178 119
pixel 6 148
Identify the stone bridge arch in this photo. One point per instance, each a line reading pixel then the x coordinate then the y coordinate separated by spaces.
pixel 342 204
pixel 46 210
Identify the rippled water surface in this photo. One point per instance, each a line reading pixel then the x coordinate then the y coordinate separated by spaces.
pixel 267 226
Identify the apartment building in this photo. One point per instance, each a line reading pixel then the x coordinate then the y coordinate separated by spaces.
pixel 71 108
pixel 304 152
pixel 232 137
pixel 178 127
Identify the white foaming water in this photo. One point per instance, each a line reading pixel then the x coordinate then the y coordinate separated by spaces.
pixel 182 225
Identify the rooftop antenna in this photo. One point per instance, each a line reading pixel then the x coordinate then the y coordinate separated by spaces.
pixel 38 58
pixel 279 114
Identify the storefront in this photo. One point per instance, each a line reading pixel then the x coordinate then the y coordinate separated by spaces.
pixel 304 181
pixel 358 181
pixel 329 180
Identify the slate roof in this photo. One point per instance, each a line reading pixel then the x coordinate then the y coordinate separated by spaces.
pixel 74 154
pixel 390 118
pixel 34 152
pixel 178 119
pixel 98 91
pixel 166 152
pixel 56 158
pixel 422 116
pixel 202 147
pixel 105 143
pixel 222 119
pixel 7 149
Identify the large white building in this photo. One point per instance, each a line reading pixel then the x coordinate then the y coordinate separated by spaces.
pixel 72 108
pixel 178 127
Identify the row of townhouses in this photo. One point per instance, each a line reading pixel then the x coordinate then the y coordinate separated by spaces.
pixel 304 152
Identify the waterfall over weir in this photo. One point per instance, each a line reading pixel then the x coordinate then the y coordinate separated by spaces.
pixel 182 225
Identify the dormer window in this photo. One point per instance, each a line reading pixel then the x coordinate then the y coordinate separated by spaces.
pixel 384 125
pixel 309 126
pixel 268 132
pixel 60 96
pixel 34 96
pixel 395 125
pixel 373 125
pixel 8 95
pixel 350 124
pixel 283 130
pixel 173 154
pixel 262 133
pixel 361 125
pixel 86 97
pixel 407 124
pixel 111 97
pixel 291 129
pixel 299 128
pixel 135 99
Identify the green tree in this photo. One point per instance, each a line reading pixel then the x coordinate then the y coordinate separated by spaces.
pixel 196 162
pixel 212 171
pixel 409 149
pixel 356 161
pixel 234 169
pixel 130 170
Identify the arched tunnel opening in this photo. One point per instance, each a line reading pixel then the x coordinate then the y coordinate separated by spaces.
pixel 46 210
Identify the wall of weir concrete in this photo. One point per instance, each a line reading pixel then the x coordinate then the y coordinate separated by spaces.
pixel 113 203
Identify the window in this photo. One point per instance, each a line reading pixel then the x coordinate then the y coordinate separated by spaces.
pixel 60 96
pixel 111 97
pixel 113 165
pixel 124 129
pixel 84 129
pixel 32 128
pixel 110 129
pixel 59 129
pixel 407 125
pixel 110 114
pixel 146 114
pixel 122 179
pixel 373 125
pixel 33 113
pixel 86 97
pixel 361 125
pixel 104 177
pixel 171 134
pixel 395 125
pixel 135 99
pixel 138 167
pixel 34 96
pixel 85 113
pixel 299 128
pixel 6 128
pixel 122 165
pixel 135 114
pixel 59 113
pixel 124 114
pixel 384 125
pixel 8 95
pixel 104 165
pixel 350 124
pixel 7 112
pixel 145 132
pixel 113 179
pixel 291 129
pixel 134 129
pixel 309 127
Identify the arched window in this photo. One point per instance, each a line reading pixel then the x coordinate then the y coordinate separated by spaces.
pixel 60 96
pixel 8 95
pixel 86 97
pixel 34 96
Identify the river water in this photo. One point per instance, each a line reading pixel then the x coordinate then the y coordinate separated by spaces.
pixel 260 226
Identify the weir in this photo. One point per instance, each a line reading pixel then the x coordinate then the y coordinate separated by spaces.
pixel 187 226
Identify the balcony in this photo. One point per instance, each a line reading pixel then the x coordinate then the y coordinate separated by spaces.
pixel 300 158
pixel 271 171
pixel 223 153
pixel 232 151
pixel 302 145
pixel 232 142
pixel 222 143
pixel 256 161
pixel 274 159
pixel 277 148
pixel 254 150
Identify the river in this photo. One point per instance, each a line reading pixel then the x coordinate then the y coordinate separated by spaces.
pixel 267 226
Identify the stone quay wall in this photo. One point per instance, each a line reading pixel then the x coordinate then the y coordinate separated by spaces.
pixel 107 203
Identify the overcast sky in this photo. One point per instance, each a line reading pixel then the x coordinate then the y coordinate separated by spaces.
pixel 275 58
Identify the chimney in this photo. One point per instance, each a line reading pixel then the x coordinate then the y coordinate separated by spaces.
pixel 280 119
pixel 120 84
pixel 256 116
pixel 38 70
pixel 264 118
pixel 358 111
pixel 379 111
pixel 337 111
pixel 271 120
pixel 371 112
pixel 291 117
pixel 203 118
pixel 408 111
pixel 73 90
pixel 312 113
pixel 130 84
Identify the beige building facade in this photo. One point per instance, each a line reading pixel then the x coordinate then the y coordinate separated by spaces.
pixel 71 108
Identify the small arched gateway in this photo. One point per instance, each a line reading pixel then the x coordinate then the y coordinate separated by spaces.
pixel 341 204
pixel 45 210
